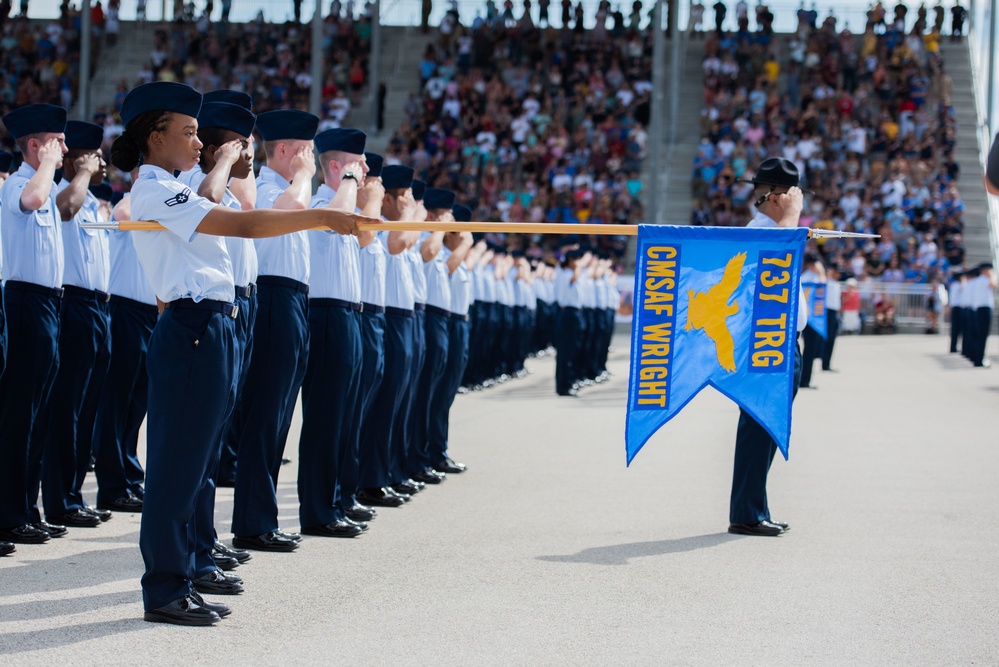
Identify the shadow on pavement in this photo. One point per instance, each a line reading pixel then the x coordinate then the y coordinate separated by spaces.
pixel 40 640
pixel 80 570
pixel 27 611
pixel 620 554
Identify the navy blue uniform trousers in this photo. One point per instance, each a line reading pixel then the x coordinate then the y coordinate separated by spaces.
pixel 277 369
pixel 329 412
pixel 832 330
pixel 754 452
pixel 85 355
pixel 956 326
pixel 429 390
pixel 33 331
pixel 569 329
pixel 191 362
pixel 372 327
pixel 813 350
pixel 440 407
pixel 414 408
pixel 3 334
pixel 387 421
pixel 245 320
pixel 123 401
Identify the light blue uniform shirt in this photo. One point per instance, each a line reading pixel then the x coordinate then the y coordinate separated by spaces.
pixel 461 287
pixel 613 298
pixel 127 277
pixel 334 259
pixel 490 292
pixel 286 255
pixel 242 252
pixel 438 281
pixel 32 241
pixel 87 252
pixel 567 293
pixel 415 260
pixel 762 220
pixel 398 279
pixel 180 262
pixel 528 292
pixel 587 293
pixel 372 265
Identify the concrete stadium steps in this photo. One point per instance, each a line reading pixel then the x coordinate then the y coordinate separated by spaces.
pixel 688 134
pixel 401 50
pixel 977 240
pixel 122 61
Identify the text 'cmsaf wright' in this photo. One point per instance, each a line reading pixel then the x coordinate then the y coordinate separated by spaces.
pixel 714 306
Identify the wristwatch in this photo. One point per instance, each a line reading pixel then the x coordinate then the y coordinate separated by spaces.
pixel 350 175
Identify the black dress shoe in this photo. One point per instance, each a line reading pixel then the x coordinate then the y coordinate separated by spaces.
pixel 406 488
pixel 449 466
pixel 76 519
pixel 103 515
pixel 184 611
pixel 6 548
pixel 219 608
pixel 361 513
pixel 339 528
pixel 25 535
pixel 785 526
pixel 223 561
pixel 380 498
pixel 430 476
pixel 265 542
pixel 363 525
pixel 52 530
pixel 128 503
pixel 763 528
pixel 238 554
pixel 218 582
pixel 392 492
pixel 294 537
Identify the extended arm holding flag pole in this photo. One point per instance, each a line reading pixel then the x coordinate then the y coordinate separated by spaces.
pixel 480 227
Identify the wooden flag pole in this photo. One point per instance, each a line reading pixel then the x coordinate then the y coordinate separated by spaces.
pixel 412 226
pixel 478 227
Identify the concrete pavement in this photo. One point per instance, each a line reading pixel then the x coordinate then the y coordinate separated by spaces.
pixel 550 551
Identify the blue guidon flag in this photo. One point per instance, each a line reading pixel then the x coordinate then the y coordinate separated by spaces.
pixel 714 306
pixel 815 295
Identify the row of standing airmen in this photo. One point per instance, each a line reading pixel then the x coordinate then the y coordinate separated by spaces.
pixel 216 333
pixel 971 297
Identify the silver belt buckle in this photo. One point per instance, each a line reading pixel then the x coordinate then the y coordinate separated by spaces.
pixel 234 312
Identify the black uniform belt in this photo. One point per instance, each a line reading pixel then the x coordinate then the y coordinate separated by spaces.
pixel 97 295
pixel 419 306
pixel 400 312
pixel 337 303
pixel 227 309
pixel 132 303
pixel 438 311
pixel 372 308
pixel 281 281
pixel 569 308
pixel 246 291
pixel 460 318
pixel 53 292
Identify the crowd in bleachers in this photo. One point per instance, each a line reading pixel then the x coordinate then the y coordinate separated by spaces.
pixel 529 123
pixel 867 119
pixel 39 62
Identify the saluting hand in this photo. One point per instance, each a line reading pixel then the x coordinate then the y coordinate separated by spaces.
pixel 304 163
pixel 229 152
pixel 51 152
pixel 373 190
pixel 90 163
pixel 790 203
